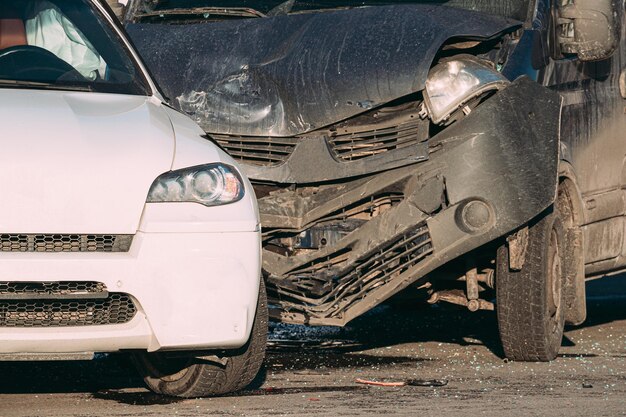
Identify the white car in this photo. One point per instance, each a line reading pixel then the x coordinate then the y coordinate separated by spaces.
pixel 122 227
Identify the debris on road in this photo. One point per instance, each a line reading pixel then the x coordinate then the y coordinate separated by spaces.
pixel 380 383
pixel 427 382
pixel 408 382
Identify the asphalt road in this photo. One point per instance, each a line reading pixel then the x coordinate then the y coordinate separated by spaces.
pixel 313 372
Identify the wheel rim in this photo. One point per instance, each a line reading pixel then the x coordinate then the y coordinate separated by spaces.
pixel 554 287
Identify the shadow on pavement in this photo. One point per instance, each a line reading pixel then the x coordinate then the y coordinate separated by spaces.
pixel 135 398
pixel 142 398
pixel 46 377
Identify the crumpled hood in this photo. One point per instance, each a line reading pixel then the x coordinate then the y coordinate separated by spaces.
pixel 76 162
pixel 288 75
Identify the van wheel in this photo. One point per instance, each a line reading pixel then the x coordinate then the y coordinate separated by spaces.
pixel 186 376
pixel 530 302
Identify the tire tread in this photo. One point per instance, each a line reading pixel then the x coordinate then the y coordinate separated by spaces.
pixel 524 331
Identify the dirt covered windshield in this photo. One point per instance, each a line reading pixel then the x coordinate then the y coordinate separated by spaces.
pixel 514 9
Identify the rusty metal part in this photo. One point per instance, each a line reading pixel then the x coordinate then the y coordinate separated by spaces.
pixel 471 283
pixel 458 297
pixel 488 278
pixel 518 245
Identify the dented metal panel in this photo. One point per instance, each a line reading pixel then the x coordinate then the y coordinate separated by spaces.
pixel 288 75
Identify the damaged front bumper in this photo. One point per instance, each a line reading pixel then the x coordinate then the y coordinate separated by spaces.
pixel 334 250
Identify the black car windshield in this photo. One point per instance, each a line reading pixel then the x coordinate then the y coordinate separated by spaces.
pixel 513 9
pixel 66 45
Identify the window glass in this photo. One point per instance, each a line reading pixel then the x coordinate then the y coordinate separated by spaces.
pixel 64 44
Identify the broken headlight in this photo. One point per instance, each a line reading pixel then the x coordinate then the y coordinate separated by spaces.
pixel 452 84
pixel 211 185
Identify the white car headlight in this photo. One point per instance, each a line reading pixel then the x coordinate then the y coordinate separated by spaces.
pixel 211 185
pixel 452 84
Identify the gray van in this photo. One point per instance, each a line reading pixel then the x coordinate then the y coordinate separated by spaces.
pixel 466 151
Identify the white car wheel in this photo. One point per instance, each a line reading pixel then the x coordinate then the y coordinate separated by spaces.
pixel 186 376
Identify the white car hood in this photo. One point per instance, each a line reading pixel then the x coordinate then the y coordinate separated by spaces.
pixel 76 162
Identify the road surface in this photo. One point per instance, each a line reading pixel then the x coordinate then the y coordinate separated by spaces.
pixel 313 372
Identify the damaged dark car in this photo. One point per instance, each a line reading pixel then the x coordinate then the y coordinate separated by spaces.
pixel 463 151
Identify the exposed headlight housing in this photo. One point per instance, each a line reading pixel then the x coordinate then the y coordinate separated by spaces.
pixel 452 84
pixel 212 185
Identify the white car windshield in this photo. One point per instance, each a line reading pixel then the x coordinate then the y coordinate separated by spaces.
pixel 64 44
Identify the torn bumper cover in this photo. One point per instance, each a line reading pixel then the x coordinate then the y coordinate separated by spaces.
pixel 486 175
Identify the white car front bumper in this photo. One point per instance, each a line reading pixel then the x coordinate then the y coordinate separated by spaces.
pixel 195 288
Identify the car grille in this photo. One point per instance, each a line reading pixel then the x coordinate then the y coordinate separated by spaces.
pixel 44 289
pixel 348 144
pixel 64 243
pixel 257 150
pixel 358 144
pixel 62 304
pixel 328 288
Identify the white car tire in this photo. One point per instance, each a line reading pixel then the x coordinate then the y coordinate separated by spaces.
pixel 182 375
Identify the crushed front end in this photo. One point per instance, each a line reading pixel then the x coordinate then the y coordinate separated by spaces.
pixel 336 247
pixel 366 183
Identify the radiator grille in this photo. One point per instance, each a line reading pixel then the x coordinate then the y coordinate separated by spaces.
pixel 326 288
pixel 257 150
pixel 51 288
pixel 117 308
pixel 358 144
pixel 64 243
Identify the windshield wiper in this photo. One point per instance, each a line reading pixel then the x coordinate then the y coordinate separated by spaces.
pixel 206 12
pixel 43 85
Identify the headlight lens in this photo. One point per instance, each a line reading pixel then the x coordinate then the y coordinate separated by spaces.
pixel 211 185
pixel 452 84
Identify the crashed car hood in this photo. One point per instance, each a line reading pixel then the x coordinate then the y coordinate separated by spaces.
pixel 75 162
pixel 287 75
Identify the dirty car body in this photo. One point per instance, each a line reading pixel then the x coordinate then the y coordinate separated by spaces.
pixel 364 187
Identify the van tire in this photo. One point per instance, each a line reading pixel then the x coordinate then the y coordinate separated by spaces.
pixel 530 302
